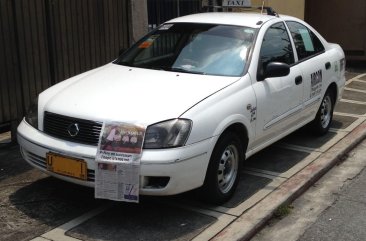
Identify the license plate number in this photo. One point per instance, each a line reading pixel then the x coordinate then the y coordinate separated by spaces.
pixel 67 166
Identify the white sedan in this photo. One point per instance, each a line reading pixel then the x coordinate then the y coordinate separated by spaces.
pixel 212 89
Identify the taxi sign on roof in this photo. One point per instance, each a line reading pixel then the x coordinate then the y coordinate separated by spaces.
pixel 237 3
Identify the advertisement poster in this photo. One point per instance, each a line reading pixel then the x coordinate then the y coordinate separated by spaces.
pixel 117 171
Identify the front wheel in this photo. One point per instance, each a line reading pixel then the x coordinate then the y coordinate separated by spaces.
pixel 223 172
pixel 320 125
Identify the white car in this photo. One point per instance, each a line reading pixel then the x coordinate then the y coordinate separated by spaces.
pixel 211 88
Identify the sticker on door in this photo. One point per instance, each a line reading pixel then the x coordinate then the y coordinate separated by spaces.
pixel 316 83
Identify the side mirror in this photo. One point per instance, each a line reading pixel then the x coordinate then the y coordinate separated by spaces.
pixel 276 69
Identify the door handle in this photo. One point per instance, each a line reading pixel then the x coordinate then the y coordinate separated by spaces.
pixel 298 80
pixel 327 65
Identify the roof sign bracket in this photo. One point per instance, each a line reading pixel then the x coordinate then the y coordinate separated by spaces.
pixel 245 5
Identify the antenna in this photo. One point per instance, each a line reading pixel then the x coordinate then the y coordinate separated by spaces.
pixel 263 3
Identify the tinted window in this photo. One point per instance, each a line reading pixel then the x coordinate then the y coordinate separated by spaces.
pixel 306 42
pixel 276 47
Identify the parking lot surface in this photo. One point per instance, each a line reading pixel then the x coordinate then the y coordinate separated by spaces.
pixel 36 206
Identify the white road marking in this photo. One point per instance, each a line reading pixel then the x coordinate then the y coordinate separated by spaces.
pixel 356 78
pixel 355 90
pixel 40 239
pixel 262 173
pixel 352 126
pixel 254 199
pixel 58 234
pixel 211 231
pixel 328 144
pixel 353 102
pixel 5 138
pixel 348 114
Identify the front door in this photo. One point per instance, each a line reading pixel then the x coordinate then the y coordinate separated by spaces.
pixel 279 100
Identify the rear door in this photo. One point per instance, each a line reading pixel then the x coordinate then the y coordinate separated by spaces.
pixel 314 64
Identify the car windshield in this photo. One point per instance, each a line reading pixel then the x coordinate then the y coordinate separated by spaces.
pixel 193 48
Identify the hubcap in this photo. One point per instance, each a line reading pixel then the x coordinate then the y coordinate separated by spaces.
pixel 228 168
pixel 325 111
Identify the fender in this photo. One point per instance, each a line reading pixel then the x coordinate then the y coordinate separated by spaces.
pixel 226 107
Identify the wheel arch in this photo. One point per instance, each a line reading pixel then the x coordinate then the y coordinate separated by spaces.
pixel 242 132
pixel 334 90
pixel 211 182
pixel 238 128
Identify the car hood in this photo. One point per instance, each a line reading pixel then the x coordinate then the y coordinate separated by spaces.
pixel 120 93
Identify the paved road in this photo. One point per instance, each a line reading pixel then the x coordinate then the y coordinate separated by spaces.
pixel 333 209
pixel 33 204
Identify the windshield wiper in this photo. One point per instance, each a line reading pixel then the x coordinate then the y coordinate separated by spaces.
pixel 177 69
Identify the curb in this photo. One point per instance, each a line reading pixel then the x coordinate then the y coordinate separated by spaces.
pixel 250 222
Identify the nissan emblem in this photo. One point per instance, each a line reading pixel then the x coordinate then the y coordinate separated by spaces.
pixel 73 129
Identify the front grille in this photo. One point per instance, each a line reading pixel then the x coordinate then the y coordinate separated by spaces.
pixel 57 125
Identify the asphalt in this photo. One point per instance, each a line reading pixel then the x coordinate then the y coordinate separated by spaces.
pixel 36 206
pixel 345 219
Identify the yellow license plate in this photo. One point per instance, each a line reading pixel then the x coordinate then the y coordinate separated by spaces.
pixel 67 166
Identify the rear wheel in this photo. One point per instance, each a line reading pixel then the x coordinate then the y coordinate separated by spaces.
pixel 320 125
pixel 223 172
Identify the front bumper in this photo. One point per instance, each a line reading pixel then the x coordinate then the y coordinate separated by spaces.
pixel 185 166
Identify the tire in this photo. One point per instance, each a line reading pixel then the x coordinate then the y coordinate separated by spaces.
pixel 223 171
pixel 320 125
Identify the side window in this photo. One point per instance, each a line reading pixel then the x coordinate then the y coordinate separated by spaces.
pixel 306 42
pixel 276 47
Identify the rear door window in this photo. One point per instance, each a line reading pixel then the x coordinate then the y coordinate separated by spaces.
pixel 306 42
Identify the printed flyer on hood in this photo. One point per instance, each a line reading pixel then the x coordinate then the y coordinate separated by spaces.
pixel 117 172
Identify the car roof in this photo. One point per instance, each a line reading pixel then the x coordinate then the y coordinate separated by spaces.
pixel 236 18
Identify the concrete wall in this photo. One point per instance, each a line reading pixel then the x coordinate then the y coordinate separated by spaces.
pixel 294 8
pixel 344 24
pixel 138 19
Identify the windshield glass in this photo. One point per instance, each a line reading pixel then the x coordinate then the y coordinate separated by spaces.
pixel 193 48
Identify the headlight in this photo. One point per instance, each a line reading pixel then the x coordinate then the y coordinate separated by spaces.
pixel 167 134
pixel 32 114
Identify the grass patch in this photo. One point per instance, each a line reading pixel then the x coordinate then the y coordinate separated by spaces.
pixel 283 211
